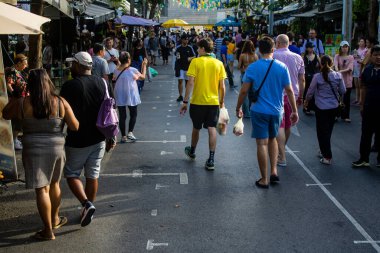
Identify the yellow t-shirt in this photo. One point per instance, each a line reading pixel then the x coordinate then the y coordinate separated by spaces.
pixel 230 48
pixel 207 72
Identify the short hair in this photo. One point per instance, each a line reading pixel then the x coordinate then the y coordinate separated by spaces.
pixel 290 35
pixel 207 44
pixel 266 44
pixel 20 58
pixel 97 48
pixel 108 39
pixel 124 57
pixel 375 48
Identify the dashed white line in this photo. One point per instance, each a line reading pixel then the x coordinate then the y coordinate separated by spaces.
pixel 354 222
pixel 150 244
pixel 183 179
pixel 154 212
pixel 317 184
pixel 159 186
pixel 166 153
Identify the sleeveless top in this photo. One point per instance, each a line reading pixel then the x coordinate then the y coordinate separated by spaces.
pixel 311 67
pixel 51 126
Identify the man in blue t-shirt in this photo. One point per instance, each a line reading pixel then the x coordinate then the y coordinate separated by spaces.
pixel 266 112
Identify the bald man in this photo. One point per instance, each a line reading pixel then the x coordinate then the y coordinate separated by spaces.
pixel 296 68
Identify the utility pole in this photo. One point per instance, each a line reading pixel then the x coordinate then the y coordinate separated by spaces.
pixel 378 23
pixel 347 20
pixel 271 17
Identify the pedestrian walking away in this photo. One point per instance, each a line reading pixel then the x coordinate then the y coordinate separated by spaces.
pixel 43 115
pixel 369 108
pixel 84 148
pixel 326 88
pixel 127 94
pixel 206 82
pixel 111 55
pixel 270 77
pixel 296 68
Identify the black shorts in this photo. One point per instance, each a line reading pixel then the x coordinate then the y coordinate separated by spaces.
pixel 204 115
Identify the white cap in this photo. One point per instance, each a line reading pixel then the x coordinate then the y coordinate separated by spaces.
pixel 344 43
pixel 83 58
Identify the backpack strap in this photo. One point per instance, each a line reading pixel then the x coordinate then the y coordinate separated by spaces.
pixel 107 95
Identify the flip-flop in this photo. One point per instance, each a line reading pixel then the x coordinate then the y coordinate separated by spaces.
pixel 62 221
pixel 264 186
pixel 40 237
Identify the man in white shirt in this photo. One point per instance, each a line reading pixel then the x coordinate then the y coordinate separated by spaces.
pixel 112 56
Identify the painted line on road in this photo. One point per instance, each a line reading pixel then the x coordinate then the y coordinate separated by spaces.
pixel 183 138
pixel 170 131
pixel 159 186
pixel 151 244
pixel 157 97
pixel 317 184
pixel 183 178
pixel 360 242
pixel 168 123
pixel 354 222
pixel 154 108
pixel 166 153
pixel 154 212
pixel 171 116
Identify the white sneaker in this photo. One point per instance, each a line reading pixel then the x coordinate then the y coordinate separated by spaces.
pixel 18 144
pixel 131 137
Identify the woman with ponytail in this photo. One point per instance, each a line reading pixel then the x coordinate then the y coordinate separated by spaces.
pixel 326 87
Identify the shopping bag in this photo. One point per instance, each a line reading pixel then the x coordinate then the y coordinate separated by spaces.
pixel 239 127
pixel 153 72
pixel 223 120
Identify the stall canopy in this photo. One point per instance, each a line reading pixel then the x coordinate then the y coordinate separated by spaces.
pixel 129 20
pixel 17 21
pixel 63 6
pixel 228 22
pixel 99 13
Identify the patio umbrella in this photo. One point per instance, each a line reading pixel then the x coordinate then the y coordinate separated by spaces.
pixel 17 21
pixel 130 20
pixel 228 22
pixel 174 22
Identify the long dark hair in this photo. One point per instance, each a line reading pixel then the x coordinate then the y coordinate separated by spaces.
pixel 42 93
pixel 326 64
pixel 248 48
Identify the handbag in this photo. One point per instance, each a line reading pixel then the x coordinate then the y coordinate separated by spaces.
pixel 107 121
pixel 253 94
pixel 341 105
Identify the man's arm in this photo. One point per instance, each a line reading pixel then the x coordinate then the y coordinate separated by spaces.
pixel 222 92
pixel 189 88
pixel 243 93
pixel 292 101
pixel 301 87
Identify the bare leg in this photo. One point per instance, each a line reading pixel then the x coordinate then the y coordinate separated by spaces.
pixel 212 138
pixel 44 209
pixel 262 157
pixel 180 87
pixel 281 140
pixel 194 137
pixel 76 187
pixel 91 188
pixel 287 135
pixel 273 155
pixel 55 199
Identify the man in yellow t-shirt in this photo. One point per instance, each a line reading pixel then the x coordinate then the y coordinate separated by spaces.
pixel 231 54
pixel 206 81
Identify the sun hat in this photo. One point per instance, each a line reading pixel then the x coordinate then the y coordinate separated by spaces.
pixel 344 43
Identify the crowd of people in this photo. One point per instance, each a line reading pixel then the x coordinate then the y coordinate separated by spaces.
pixel 277 76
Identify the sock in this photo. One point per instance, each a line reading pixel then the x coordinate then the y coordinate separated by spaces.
pixel 192 150
pixel 84 202
pixel 211 157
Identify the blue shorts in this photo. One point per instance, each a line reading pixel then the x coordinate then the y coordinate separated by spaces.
pixel 230 57
pixel 265 126
pixel 88 158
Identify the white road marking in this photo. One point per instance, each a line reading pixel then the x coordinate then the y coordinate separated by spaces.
pixel 159 186
pixel 171 116
pixel 354 222
pixel 150 244
pixel 154 108
pixel 169 131
pixel 163 141
pixel 170 110
pixel 171 105
pixel 183 138
pixel 359 242
pixel 154 212
pixel 236 91
pixel 293 151
pixel 157 97
pixel 168 123
pixel 137 173
pixel 317 184
pixel 183 179
pixel 166 153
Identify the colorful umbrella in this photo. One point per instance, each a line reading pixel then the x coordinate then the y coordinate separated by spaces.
pixel 174 22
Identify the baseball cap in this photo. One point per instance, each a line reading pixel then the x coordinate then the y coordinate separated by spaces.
pixel 344 43
pixel 83 58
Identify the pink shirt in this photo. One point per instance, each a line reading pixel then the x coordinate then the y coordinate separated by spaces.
pixel 295 65
pixel 344 62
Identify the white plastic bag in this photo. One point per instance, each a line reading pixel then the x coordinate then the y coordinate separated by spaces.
pixel 239 127
pixel 223 120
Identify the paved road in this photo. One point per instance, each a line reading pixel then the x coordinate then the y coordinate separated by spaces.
pixel 152 198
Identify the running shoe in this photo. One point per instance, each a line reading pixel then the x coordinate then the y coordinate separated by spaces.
pixel 87 214
pixel 131 137
pixel 325 161
pixel 209 165
pixel 360 163
pixel 179 99
pixel 188 153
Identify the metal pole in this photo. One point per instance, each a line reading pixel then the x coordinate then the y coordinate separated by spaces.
pixel 271 17
pixel 347 20
pixel 344 19
pixel 378 24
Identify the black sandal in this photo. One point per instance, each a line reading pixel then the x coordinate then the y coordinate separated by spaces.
pixel 274 179
pixel 264 186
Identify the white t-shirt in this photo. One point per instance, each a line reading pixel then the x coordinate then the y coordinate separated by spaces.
pixel 126 89
pixel 111 65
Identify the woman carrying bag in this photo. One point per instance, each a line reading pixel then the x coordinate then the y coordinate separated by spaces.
pixel 326 87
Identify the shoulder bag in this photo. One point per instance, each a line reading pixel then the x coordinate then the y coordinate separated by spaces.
pixel 253 94
pixel 341 105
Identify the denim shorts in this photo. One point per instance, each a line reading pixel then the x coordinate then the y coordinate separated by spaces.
pixel 87 158
pixel 265 126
